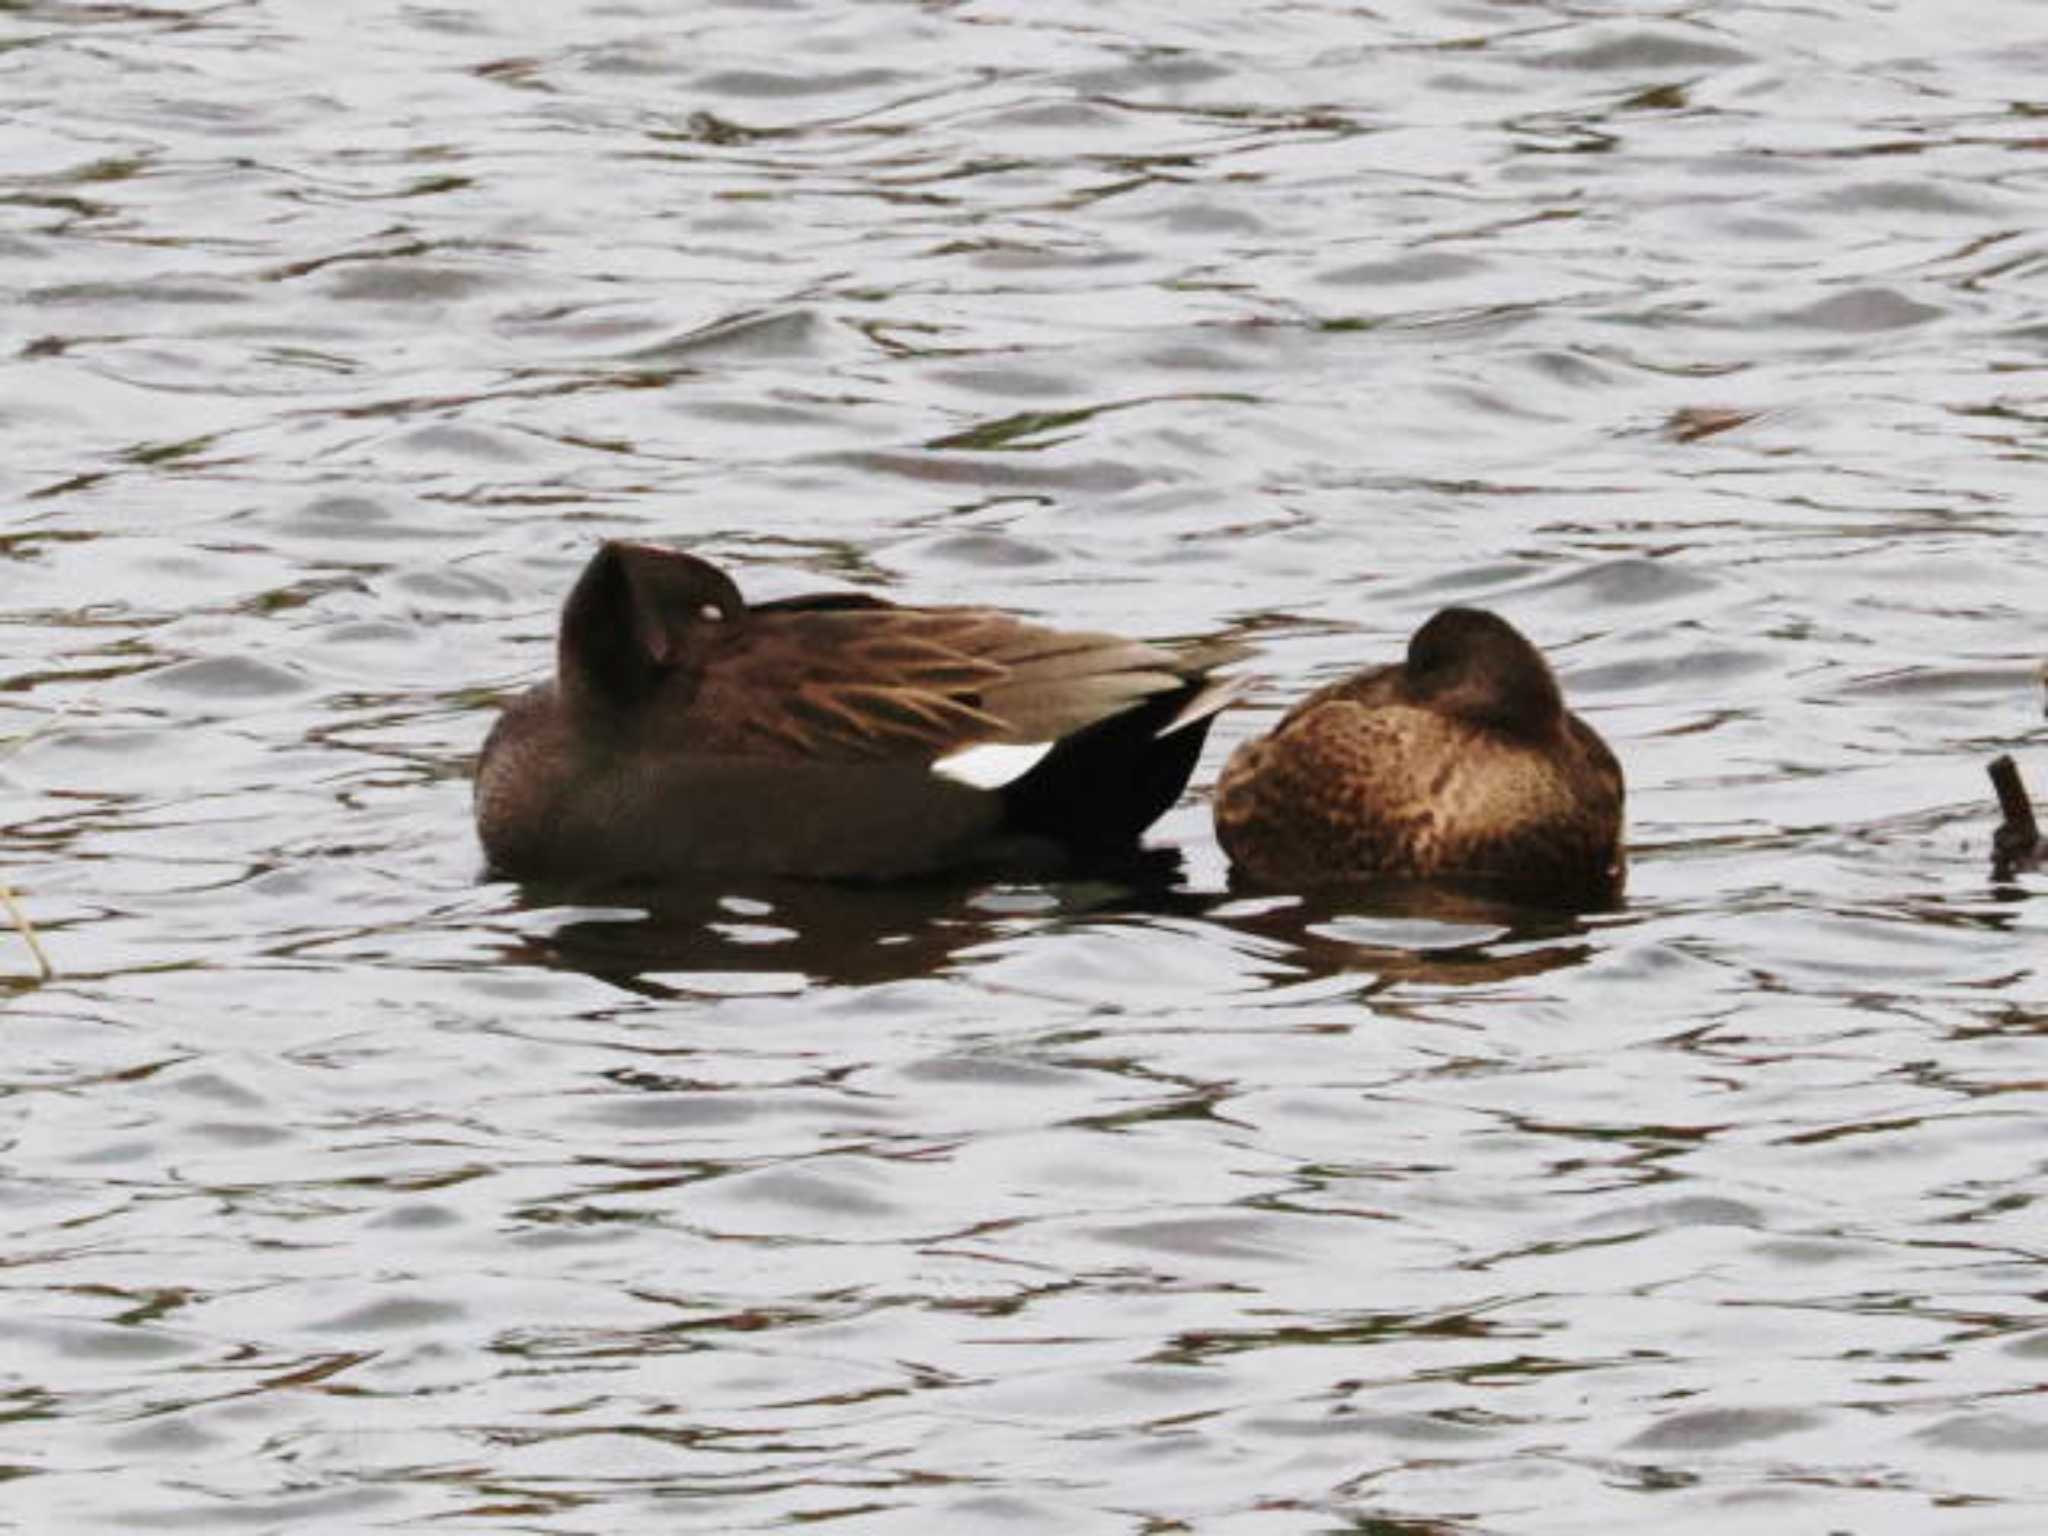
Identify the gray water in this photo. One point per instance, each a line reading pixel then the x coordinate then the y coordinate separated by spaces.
pixel 342 1190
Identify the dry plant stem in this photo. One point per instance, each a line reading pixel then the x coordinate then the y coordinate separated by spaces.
pixel 2016 844
pixel 27 931
pixel 22 925
pixel 2013 801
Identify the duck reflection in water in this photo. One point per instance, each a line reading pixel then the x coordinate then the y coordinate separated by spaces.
pixel 1431 933
pixel 774 934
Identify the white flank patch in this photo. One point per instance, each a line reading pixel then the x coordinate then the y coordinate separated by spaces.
pixel 992 764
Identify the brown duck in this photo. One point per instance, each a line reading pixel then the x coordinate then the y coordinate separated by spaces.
pixel 687 732
pixel 1460 762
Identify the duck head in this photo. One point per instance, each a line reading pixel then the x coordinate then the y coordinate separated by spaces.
pixel 640 617
pixel 1475 665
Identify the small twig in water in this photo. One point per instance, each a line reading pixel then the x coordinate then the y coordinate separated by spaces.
pixel 27 930
pixel 2016 844
pixel 22 925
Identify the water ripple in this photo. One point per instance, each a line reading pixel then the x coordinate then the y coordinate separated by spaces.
pixel 345 1187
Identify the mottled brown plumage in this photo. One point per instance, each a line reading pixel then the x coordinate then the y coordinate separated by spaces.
pixel 688 732
pixel 1459 762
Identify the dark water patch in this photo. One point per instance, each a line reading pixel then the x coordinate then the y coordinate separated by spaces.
pixel 675 1112
pixel 167 1437
pixel 240 1135
pixel 354 521
pixel 1421 267
pixel 300 1512
pixel 1206 217
pixel 1419 1429
pixel 1192 357
pixel 371 635
pixel 410 282
pixel 769 417
pixel 1965 682
pixel 1146 71
pixel 452 589
pixel 582 322
pixel 227 679
pixel 467 443
pixel 1992 1434
pixel 101 297
pixel 1647 49
pixel 99 1344
pixel 1764 229
pixel 1933 198
pixel 758 337
pixel 1100 477
pixel 352 515
pixel 420 1218
pixel 819 1200
pixel 396 1314
pixel 1006 383
pixel 990 1071
pixel 779 85
pixel 1633 582
pixel 987 551
pixel 1017 256
pixel 1204 1238
pixel 1863 311
pixel 1057 114
pixel 1574 370
pixel 1663 1215
pixel 1722 1429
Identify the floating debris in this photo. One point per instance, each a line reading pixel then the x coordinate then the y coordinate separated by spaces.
pixel 1698 421
pixel 2016 845
pixel 27 930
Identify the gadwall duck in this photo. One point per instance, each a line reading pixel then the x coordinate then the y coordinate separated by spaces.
pixel 837 736
pixel 1460 762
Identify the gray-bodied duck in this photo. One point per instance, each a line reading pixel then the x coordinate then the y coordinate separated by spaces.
pixel 1459 762
pixel 687 732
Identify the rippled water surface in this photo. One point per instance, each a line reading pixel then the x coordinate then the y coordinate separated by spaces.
pixel 342 1191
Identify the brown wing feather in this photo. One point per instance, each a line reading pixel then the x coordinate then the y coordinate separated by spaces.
pixel 876 681
pixel 875 719
pixel 1335 788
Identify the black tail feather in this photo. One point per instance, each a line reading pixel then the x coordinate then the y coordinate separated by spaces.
pixel 1101 787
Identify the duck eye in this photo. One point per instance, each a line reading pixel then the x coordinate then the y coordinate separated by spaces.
pixel 711 613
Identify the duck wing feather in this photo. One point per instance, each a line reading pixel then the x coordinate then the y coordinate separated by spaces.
pixel 868 680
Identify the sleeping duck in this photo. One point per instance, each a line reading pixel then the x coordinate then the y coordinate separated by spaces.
pixel 688 732
pixel 1458 762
